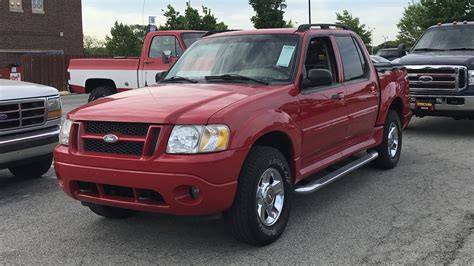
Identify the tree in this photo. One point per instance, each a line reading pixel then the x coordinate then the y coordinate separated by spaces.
pixel 191 20
pixel 420 15
pixel 125 40
pixel 345 18
pixel 93 46
pixel 269 14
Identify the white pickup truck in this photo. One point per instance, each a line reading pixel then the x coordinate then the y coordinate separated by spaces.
pixel 105 76
pixel 30 116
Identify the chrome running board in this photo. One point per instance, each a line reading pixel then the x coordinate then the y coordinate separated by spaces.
pixel 333 176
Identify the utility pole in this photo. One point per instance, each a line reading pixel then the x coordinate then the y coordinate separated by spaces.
pixel 309 11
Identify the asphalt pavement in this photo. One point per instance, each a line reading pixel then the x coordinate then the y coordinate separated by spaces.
pixel 420 212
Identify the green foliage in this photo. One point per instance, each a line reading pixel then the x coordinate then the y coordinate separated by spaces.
pixel 268 14
pixel 93 46
pixel 191 20
pixel 345 18
pixel 387 44
pixel 420 15
pixel 125 40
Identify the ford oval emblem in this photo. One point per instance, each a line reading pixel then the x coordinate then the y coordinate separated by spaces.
pixel 3 116
pixel 425 78
pixel 111 138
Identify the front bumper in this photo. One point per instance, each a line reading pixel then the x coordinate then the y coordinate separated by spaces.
pixel 23 146
pixel 444 105
pixel 169 176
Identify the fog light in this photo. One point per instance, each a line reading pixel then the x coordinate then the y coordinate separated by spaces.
pixel 194 191
pixel 439 100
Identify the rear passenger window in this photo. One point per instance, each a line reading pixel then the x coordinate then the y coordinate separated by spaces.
pixel 354 65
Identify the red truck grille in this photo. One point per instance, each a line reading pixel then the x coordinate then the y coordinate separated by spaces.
pixel 134 139
pixel 128 129
pixel 122 147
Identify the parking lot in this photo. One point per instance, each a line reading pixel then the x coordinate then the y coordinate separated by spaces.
pixel 420 212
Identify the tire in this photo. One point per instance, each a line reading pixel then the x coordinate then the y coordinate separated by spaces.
pixel 34 169
pixel 262 164
pixel 110 212
pixel 100 92
pixel 391 147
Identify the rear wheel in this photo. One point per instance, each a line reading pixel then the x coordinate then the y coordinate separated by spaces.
pixel 100 92
pixel 261 207
pixel 391 147
pixel 110 212
pixel 34 169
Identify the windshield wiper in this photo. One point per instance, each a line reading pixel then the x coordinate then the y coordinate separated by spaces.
pixel 428 49
pixel 235 77
pixel 462 49
pixel 178 78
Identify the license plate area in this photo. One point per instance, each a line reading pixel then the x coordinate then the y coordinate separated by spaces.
pixel 425 105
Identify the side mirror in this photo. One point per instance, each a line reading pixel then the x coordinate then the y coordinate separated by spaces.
pixel 166 57
pixel 159 76
pixel 401 50
pixel 318 78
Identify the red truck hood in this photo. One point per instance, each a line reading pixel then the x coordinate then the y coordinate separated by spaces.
pixel 166 104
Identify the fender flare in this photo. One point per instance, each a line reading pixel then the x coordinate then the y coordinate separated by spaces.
pixel 389 94
pixel 255 127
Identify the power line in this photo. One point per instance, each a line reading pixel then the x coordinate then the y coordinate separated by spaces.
pixel 143 12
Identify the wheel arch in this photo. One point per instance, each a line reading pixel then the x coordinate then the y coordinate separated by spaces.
pixel 93 83
pixel 397 106
pixel 273 128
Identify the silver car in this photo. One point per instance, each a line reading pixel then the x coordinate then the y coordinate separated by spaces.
pixel 30 115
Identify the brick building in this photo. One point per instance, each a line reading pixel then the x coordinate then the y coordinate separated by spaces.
pixel 39 27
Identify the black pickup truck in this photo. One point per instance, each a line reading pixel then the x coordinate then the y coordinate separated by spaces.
pixel 441 71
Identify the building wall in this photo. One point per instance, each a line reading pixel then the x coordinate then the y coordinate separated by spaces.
pixel 59 28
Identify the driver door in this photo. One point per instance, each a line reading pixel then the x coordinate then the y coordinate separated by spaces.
pixel 153 62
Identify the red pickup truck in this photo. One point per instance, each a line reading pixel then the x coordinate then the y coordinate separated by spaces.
pixel 241 122
pixel 104 76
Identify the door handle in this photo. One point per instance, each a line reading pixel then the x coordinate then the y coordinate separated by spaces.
pixel 148 61
pixel 372 89
pixel 340 96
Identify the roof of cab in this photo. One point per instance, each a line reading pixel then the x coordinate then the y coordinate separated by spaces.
pixel 453 24
pixel 273 31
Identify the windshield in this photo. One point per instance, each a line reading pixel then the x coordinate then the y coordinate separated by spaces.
pixel 447 38
pixel 267 58
pixel 191 37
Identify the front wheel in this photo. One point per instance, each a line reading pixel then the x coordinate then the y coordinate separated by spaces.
pixel 34 169
pixel 391 147
pixel 261 207
pixel 100 92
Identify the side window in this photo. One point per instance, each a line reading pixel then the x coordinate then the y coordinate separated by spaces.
pixel 16 5
pixel 37 6
pixel 320 55
pixel 161 44
pixel 351 60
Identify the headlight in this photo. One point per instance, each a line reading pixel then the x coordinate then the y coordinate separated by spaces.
pixel 54 107
pixel 198 139
pixel 471 77
pixel 65 131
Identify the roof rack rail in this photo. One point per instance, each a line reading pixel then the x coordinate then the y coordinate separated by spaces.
pixel 307 27
pixel 212 32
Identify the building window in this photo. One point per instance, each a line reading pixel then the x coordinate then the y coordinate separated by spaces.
pixel 37 6
pixel 15 5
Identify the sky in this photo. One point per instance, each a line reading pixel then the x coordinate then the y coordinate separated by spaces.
pixel 380 15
